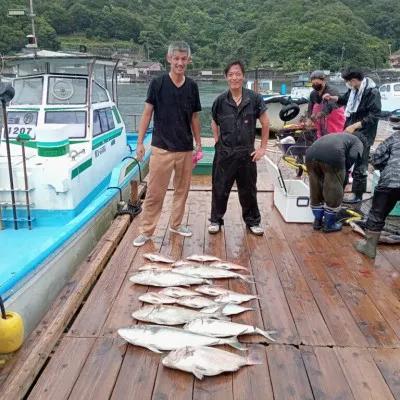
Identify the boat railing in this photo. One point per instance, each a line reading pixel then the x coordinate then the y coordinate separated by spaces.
pixel 136 121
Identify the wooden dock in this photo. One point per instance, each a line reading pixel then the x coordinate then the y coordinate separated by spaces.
pixel 337 314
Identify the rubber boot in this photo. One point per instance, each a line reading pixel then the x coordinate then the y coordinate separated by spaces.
pixel 330 224
pixel 318 214
pixel 369 246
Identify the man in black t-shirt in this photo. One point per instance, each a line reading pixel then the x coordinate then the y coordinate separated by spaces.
pixel 175 101
pixel 234 117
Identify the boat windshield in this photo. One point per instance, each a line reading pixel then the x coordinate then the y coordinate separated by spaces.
pixel 66 90
pixel 28 90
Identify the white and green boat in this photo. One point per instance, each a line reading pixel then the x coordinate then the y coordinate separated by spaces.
pixel 79 160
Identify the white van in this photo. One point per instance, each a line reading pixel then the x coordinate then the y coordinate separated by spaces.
pixel 390 95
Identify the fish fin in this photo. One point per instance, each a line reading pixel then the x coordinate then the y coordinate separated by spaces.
pixel 253 359
pixel 234 342
pixel 247 278
pixel 152 348
pixel 265 334
pixel 218 314
pixel 198 372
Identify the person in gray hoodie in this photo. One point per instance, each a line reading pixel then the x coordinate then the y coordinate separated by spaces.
pixel 387 192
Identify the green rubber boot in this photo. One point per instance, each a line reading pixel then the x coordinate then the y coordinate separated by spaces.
pixel 369 246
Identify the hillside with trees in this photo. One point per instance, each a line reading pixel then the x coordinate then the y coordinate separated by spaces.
pixel 290 34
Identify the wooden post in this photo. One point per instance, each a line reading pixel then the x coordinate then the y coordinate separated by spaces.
pixel 134 191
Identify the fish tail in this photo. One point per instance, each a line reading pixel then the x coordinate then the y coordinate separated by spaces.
pixel 209 281
pixel 248 278
pixel 218 314
pixel 234 342
pixel 253 359
pixel 266 334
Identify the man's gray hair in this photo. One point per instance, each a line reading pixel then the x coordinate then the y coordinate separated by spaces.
pixel 179 46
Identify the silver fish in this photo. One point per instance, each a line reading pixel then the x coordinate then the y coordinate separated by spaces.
pixel 203 360
pixel 170 315
pixel 202 258
pixel 235 298
pixel 213 327
pixel 179 292
pixel 227 265
pixel 183 262
pixel 156 298
pixel 210 272
pixel 157 257
pixel 213 290
pixel 229 309
pixel 164 338
pixel 197 302
pixel 155 267
pixel 165 279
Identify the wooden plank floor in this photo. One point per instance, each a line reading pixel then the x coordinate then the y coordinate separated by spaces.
pixel 336 313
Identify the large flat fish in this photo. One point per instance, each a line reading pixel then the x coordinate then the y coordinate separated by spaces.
pixel 229 309
pixel 164 338
pixel 197 302
pixel 165 279
pixel 202 258
pixel 206 361
pixel 179 292
pixel 155 267
pixel 157 257
pixel 212 290
pixel 170 315
pixel 227 265
pixel 210 272
pixel 235 298
pixel 156 298
pixel 213 327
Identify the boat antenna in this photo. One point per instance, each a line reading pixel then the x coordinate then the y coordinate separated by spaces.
pixel 32 16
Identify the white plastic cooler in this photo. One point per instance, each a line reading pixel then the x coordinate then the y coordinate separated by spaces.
pixel 291 197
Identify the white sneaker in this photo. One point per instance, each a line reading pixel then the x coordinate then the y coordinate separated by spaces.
pixel 214 227
pixel 141 240
pixel 257 230
pixel 182 230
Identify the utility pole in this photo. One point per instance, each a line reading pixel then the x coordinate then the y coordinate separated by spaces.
pixel 390 53
pixel 32 16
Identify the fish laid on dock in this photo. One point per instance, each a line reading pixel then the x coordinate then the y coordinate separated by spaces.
pixel 210 272
pixel 165 279
pixel 202 258
pixel 155 267
pixel 165 338
pixel 156 298
pixel 227 265
pixel 207 361
pixel 170 315
pixel 229 309
pixel 234 298
pixel 179 292
pixel 157 257
pixel 197 302
pixel 213 327
pixel 213 290
pixel 183 262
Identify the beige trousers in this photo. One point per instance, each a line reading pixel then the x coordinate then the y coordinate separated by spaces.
pixel 162 163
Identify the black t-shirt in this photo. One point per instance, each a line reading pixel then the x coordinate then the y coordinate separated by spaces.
pixel 173 110
pixel 339 150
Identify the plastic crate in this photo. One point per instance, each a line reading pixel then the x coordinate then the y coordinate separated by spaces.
pixel 291 197
pixel 396 210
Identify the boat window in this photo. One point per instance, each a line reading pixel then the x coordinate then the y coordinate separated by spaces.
pixel 388 88
pixel 65 67
pixel 99 94
pixel 76 121
pixel 34 68
pixel 103 121
pixel 396 87
pixel 64 90
pixel 382 89
pixel 28 91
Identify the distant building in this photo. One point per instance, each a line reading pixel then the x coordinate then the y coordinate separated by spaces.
pixel 144 67
pixel 395 59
